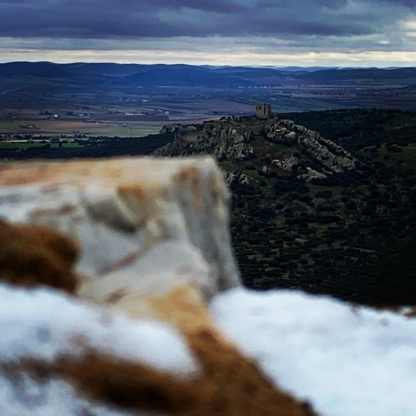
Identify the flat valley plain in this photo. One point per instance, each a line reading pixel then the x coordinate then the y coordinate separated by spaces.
pixel 90 103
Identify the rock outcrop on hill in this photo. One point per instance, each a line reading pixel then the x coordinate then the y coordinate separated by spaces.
pixel 234 139
pixel 334 157
pixel 223 139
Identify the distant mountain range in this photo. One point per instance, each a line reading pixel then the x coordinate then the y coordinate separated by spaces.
pixel 188 75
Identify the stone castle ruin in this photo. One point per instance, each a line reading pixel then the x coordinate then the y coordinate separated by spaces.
pixel 264 111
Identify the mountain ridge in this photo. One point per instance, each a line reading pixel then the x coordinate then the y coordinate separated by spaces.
pixel 182 74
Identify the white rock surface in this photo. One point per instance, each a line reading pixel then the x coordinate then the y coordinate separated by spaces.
pixel 24 396
pixel 345 361
pixel 121 210
pixel 45 324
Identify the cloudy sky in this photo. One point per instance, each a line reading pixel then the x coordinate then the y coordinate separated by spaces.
pixel 217 32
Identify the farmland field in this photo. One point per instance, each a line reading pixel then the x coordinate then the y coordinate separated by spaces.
pixel 115 107
pixel 25 145
pixel 71 127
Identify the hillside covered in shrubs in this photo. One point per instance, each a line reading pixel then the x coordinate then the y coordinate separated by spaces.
pixel 340 220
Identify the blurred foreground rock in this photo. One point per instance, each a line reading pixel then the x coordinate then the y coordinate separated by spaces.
pixel 114 302
pixel 167 218
pixel 154 244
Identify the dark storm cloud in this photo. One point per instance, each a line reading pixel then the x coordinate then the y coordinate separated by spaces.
pixel 407 3
pixel 219 6
pixel 196 18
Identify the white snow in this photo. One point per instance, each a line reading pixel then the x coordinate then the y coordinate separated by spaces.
pixel 23 396
pixel 45 323
pixel 344 361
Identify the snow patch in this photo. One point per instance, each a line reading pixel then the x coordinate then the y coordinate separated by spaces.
pixel 44 323
pixel 23 396
pixel 345 361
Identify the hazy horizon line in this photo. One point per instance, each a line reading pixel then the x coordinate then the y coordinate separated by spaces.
pixel 212 66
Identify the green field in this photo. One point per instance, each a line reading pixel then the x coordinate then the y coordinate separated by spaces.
pixel 25 145
pixel 408 155
pixel 68 127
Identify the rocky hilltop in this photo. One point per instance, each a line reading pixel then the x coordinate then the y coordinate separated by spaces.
pixel 246 138
pixel 306 213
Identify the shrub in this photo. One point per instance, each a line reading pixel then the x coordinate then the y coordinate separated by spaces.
pixel 324 194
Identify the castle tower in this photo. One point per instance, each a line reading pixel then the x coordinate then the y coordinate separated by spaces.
pixel 263 111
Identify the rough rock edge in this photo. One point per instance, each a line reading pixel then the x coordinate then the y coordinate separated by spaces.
pixel 121 209
pixel 230 139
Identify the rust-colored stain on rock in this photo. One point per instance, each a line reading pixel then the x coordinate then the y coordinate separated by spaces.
pixel 135 191
pixel 229 383
pixel 183 307
pixel 217 192
pixel 33 255
pixel 192 176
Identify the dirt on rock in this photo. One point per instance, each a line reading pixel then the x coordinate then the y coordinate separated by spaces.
pixel 229 384
pixel 32 255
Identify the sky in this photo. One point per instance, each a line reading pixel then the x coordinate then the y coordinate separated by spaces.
pixel 211 32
